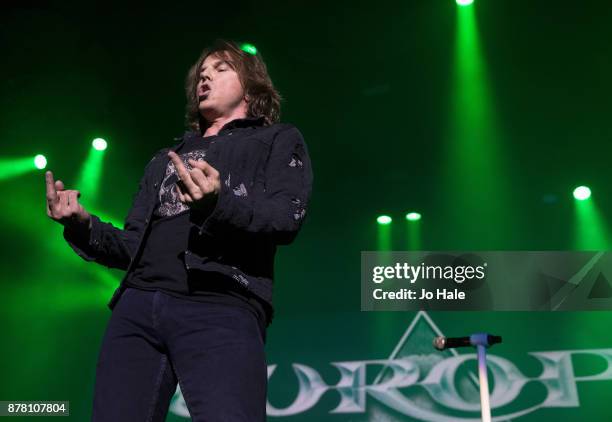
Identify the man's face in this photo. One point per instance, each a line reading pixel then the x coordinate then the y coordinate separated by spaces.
pixel 219 90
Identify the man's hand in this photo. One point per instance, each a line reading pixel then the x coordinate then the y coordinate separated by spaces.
pixel 63 205
pixel 197 186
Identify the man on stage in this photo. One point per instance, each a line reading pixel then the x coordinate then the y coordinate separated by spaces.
pixel 198 247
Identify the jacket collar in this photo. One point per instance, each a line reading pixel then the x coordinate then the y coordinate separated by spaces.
pixel 243 122
pixel 232 124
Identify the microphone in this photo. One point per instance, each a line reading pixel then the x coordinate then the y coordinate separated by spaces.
pixel 443 343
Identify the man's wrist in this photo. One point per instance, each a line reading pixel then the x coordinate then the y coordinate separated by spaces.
pixel 75 225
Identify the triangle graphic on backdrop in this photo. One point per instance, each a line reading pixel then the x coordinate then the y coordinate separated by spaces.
pixel 554 284
pixel 601 288
pixel 550 286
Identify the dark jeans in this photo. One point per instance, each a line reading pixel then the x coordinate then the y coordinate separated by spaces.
pixel 153 340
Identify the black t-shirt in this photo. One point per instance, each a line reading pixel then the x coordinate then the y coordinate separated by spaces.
pixel 161 265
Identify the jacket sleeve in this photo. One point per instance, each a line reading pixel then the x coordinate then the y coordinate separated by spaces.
pixel 107 244
pixel 278 211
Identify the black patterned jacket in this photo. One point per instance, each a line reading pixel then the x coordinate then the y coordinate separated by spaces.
pixel 266 181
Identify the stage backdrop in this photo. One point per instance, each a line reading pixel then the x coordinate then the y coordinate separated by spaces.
pixel 356 366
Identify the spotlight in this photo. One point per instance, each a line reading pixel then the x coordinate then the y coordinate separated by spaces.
pixel 383 219
pixel 413 216
pixel 99 144
pixel 464 2
pixel 582 193
pixel 40 161
pixel 248 48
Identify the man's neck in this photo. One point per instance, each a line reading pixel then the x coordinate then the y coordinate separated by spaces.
pixel 219 122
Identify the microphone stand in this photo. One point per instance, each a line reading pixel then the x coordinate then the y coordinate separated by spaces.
pixel 481 341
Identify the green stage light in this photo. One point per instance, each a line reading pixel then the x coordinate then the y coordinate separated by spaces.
pixel 40 161
pixel 464 2
pixel 249 48
pixel 88 181
pixel 582 193
pixel 413 216
pixel 99 144
pixel 383 219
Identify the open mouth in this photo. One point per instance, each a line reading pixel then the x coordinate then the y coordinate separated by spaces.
pixel 204 96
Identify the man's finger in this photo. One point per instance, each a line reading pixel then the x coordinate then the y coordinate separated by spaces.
pixel 206 168
pixel 210 170
pixel 59 185
pixel 63 201
pixel 51 193
pixel 184 197
pixel 73 203
pixel 202 181
pixel 195 163
pixel 181 190
pixel 182 172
